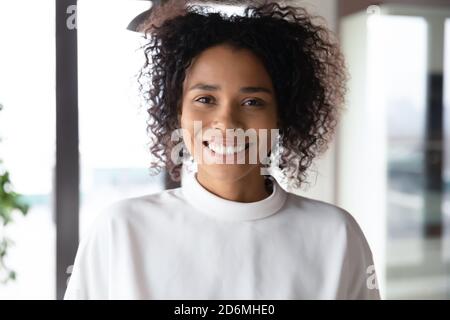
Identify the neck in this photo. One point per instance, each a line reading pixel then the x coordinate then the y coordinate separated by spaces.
pixel 250 188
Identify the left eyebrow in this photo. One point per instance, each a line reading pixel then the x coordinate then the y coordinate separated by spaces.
pixel 255 90
pixel 212 87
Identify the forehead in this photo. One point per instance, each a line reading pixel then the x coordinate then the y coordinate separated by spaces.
pixel 229 66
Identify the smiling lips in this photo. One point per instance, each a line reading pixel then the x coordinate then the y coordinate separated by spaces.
pixel 226 148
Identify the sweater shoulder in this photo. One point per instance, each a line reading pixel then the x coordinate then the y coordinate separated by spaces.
pixel 319 210
pixel 125 208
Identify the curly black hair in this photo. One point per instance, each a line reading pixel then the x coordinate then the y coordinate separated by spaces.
pixel 302 57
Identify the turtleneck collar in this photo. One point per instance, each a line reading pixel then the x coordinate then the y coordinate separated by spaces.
pixel 217 207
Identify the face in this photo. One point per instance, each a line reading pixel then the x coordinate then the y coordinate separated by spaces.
pixel 227 113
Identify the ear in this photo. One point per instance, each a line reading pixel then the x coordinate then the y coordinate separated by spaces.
pixel 179 116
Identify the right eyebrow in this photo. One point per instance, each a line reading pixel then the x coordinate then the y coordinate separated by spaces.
pixel 204 86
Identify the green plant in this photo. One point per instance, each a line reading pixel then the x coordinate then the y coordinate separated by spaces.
pixel 10 203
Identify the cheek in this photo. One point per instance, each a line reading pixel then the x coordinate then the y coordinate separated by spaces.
pixel 267 131
pixel 191 127
pixel 264 119
pixel 188 131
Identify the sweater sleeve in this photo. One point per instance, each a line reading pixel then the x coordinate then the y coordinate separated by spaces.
pixel 90 272
pixel 359 271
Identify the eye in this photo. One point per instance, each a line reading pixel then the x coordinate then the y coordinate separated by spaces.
pixel 254 102
pixel 204 100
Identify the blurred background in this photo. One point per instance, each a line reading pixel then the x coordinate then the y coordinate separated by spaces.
pixel 73 135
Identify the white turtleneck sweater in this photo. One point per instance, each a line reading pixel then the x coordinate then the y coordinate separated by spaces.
pixel 188 243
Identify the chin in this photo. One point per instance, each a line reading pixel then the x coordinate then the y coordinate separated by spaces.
pixel 227 172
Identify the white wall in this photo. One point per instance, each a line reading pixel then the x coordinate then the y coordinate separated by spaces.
pixel 322 173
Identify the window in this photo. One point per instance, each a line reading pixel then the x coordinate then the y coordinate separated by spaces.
pixel 27 130
pixel 114 157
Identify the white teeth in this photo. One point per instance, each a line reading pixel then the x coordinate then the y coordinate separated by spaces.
pixel 226 150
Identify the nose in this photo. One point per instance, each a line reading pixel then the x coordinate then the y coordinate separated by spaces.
pixel 227 117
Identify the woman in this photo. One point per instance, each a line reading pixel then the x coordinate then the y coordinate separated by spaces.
pixel 231 86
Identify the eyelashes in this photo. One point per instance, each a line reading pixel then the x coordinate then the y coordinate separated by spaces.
pixel 210 100
pixel 258 102
pixel 204 98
